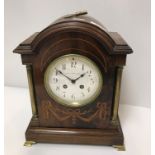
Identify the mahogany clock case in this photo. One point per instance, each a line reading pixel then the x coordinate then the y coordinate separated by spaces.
pixel 94 123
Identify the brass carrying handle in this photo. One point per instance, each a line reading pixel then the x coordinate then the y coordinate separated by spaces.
pixel 76 14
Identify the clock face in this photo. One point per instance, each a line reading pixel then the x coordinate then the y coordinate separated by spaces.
pixel 73 80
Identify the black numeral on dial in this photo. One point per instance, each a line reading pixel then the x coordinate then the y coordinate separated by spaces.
pixel 82 66
pixel 57 88
pixel 63 66
pixel 73 64
pixel 88 89
pixel 73 97
pixel 55 79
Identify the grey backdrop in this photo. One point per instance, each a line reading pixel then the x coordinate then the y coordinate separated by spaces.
pixel 131 18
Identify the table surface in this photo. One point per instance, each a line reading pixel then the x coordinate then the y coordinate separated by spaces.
pixel 135 122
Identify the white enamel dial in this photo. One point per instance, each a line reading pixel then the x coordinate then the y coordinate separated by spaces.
pixel 73 80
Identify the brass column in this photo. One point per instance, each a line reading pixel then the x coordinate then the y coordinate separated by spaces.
pixel 31 90
pixel 117 92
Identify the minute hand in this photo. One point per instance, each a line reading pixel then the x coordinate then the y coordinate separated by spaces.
pixel 65 75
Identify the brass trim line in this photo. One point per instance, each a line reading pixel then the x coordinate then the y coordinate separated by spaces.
pixel 117 93
pixel 31 90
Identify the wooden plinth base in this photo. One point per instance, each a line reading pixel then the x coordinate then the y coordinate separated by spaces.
pixel 112 136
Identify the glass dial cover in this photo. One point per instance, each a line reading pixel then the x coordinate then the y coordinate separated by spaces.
pixel 73 80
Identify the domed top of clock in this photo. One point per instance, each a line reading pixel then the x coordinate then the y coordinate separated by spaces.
pixel 81 24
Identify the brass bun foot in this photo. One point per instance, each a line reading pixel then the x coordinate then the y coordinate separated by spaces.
pixel 29 143
pixel 119 147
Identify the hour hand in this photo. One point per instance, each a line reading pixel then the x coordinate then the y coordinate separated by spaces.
pixel 82 75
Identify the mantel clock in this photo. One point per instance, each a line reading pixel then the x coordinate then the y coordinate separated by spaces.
pixel 74 69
